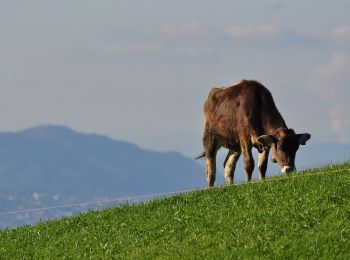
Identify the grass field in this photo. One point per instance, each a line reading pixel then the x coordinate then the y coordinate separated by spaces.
pixel 304 215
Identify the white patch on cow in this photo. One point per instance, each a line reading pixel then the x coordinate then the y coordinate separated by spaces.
pixel 230 167
pixel 286 168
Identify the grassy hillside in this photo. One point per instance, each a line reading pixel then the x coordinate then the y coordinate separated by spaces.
pixel 301 216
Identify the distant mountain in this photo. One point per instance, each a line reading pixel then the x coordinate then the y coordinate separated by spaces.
pixel 50 165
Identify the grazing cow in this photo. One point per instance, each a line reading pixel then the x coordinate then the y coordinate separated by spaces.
pixel 239 118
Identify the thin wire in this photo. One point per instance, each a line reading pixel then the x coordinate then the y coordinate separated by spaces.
pixel 141 197
pixel 130 198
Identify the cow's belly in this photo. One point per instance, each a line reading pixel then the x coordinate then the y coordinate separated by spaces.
pixel 224 129
pixel 229 141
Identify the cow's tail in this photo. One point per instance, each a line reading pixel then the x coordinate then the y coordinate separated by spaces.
pixel 200 156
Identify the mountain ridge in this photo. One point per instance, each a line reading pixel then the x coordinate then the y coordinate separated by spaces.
pixel 54 165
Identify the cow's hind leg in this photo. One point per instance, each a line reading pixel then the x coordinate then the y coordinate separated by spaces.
pixel 262 164
pixel 211 147
pixel 230 165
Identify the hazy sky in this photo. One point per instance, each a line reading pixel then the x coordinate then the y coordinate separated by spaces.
pixel 141 70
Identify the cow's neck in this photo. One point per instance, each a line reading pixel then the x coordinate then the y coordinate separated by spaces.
pixel 274 123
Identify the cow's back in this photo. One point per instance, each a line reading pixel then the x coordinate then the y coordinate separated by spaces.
pixel 235 111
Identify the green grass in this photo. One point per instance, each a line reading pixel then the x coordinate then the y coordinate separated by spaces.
pixel 302 216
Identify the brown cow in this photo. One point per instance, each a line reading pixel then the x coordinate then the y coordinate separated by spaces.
pixel 241 117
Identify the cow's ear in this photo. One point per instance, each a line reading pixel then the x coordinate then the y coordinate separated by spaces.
pixel 265 141
pixel 303 138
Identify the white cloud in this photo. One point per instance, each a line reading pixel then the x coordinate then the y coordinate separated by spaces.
pixel 260 31
pixel 197 53
pixel 333 74
pixel 331 81
pixel 193 51
pixel 341 34
pixel 131 48
pixel 187 29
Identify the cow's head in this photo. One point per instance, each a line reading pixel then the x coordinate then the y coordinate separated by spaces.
pixel 284 143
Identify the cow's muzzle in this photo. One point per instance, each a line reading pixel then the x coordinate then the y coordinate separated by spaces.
pixel 288 169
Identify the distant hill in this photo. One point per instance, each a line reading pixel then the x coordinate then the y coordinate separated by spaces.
pixel 50 165
pixel 57 160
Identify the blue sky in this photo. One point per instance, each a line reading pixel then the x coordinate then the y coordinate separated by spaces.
pixel 141 70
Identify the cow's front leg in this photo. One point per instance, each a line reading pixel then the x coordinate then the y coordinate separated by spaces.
pixel 230 165
pixel 262 164
pixel 248 160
